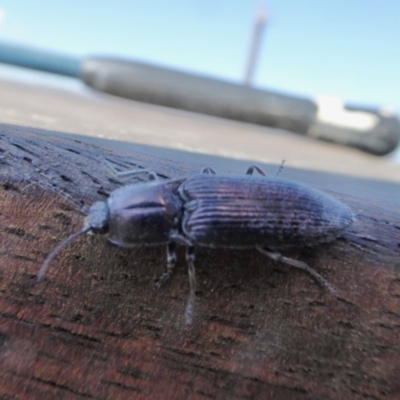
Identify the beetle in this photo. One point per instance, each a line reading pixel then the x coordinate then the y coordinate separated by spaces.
pixel 210 210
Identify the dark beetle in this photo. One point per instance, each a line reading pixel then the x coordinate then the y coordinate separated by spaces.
pixel 216 211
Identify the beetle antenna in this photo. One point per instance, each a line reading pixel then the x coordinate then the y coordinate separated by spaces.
pixel 53 254
pixel 58 191
pixel 280 169
pixel 132 172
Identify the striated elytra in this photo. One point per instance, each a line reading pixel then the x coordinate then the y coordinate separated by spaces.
pixel 269 214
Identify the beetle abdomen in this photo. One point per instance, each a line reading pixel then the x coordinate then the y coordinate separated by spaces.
pixel 257 211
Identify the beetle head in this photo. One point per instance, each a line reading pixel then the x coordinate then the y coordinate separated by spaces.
pixel 98 217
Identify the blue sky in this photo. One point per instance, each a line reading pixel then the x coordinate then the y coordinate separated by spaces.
pixel 346 48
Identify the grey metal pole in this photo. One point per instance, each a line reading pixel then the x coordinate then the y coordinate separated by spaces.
pixel 261 19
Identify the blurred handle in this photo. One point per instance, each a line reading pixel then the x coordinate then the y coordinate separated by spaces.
pixel 166 87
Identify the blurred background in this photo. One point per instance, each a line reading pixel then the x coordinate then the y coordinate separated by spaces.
pixel 335 47
pixel 330 68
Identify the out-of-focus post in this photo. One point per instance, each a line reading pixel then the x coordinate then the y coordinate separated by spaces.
pixel 255 44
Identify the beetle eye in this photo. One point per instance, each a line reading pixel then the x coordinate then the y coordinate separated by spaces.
pixel 98 217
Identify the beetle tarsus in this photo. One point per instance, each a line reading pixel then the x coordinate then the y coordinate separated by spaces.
pixel 190 257
pixel 163 279
pixel 128 174
pixel 301 265
pixel 280 169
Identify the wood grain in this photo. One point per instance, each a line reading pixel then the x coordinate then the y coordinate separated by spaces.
pixel 97 328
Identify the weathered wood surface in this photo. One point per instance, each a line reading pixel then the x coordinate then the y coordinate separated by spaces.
pixel 96 328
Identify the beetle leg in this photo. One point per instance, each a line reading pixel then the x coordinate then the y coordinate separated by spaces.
pixel 301 265
pixel 132 172
pixel 208 170
pixel 190 257
pixel 171 261
pixel 176 237
pixel 251 169
pixel 128 174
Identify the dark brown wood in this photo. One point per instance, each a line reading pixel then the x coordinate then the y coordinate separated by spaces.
pixel 96 328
